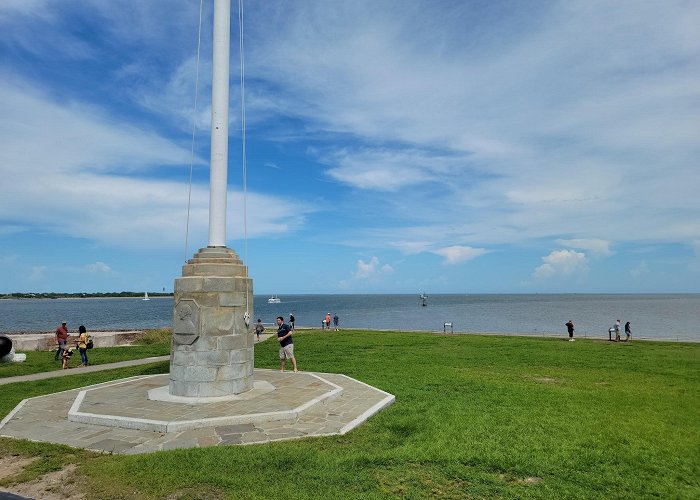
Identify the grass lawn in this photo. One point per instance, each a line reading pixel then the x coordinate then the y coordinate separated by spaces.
pixel 474 417
pixel 153 343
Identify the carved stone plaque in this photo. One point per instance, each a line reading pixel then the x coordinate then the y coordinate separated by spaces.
pixel 185 322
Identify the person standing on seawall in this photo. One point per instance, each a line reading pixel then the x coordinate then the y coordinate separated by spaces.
pixel 628 331
pixel 61 339
pixel 82 345
pixel 570 327
pixel 284 337
pixel 336 320
pixel 328 321
pixel 617 330
pixel 291 321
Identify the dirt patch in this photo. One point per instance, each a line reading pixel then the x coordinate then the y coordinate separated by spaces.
pixel 13 465
pixel 59 485
pixel 130 338
pixel 545 380
pixel 208 493
pixel 518 480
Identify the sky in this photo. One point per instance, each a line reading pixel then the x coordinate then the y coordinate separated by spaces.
pixel 401 146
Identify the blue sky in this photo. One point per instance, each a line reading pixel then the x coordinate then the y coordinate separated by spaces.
pixel 392 146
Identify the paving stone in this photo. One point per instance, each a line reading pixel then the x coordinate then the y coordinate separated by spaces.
pixel 112 445
pixel 234 429
pixel 232 439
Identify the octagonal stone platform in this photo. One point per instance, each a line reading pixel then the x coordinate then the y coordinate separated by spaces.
pixel 145 403
pixel 119 417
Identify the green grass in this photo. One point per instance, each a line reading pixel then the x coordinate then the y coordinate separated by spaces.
pixel 152 343
pixel 474 417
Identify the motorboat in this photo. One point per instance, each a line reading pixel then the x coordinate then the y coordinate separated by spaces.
pixel 274 300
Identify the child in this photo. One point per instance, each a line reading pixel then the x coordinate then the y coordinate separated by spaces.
pixel 67 353
pixel 259 328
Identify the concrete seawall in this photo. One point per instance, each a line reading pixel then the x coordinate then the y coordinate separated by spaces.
pixel 47 341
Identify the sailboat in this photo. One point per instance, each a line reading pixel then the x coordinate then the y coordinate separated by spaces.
pixel 424 299
pixel 145 296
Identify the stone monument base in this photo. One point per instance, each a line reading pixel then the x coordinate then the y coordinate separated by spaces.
pixel 212 346
pixel 119 417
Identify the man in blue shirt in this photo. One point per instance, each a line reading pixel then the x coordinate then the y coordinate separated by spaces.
pixel 284 337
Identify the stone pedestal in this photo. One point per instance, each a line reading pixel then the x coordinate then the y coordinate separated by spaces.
pixel 212 347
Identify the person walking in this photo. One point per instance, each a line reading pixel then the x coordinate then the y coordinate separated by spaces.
pixel 83 339
pixel 336 320
pixel 61 339
pixel 284 337
pixel 259 328
pixel 617 330
pixel 628 331
pixel 570 327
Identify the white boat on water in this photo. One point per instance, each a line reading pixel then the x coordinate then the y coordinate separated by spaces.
pixel 274 300
pixel 145 296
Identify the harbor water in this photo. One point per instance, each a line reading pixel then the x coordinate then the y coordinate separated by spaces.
pixel 657 316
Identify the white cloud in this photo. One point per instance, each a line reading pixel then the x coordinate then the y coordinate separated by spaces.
pixel 87 177
pixel 577 154
pixel 640 270
pixel 462 126
pixel 99 267
pixel 411 247
pixel 457 254
pixel 371 269
pixel 23 6
pixel 379 169
pixel 561 263
pixel 600 248
pixel 41 135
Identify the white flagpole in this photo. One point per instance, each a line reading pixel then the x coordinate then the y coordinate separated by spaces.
pixel 219 124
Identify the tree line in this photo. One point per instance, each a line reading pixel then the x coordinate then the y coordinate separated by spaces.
pixel 58 295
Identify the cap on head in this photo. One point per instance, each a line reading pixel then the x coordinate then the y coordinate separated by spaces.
pixel 64 322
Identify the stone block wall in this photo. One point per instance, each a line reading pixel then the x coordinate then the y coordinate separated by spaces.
pixel 212 348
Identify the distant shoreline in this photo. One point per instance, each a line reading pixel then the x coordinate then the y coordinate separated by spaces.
pixel 106 295
pixel 52 296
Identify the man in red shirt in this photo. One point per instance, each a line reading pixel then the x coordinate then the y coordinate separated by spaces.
pixel 61 339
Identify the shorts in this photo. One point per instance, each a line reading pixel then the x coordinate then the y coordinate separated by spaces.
pixel 287 352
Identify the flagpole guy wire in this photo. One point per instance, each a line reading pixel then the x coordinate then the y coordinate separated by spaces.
pixel 194 128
